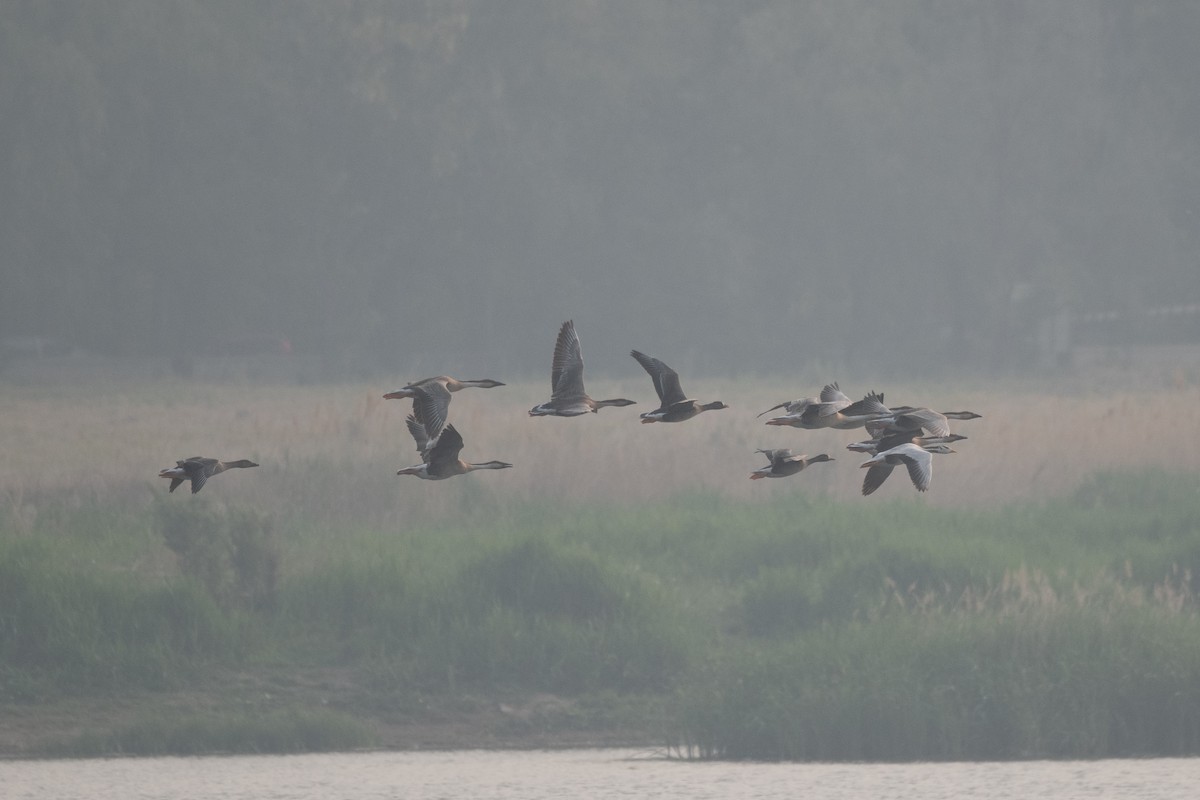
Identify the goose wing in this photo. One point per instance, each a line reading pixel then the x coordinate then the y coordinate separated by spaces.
pixel 430 406
pixel 666 380
pixel 445 451
pixel 793 406
pixel 830 393
pixel 870 404
pixel 920 466
pixel 931 421
pixel 197 471
pixel 566 369
pixel 419 434
pixel 876 475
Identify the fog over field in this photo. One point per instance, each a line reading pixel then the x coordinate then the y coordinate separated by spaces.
pixel 228 228
pixel 848 189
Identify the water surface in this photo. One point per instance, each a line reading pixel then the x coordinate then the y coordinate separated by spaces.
pixel 578 774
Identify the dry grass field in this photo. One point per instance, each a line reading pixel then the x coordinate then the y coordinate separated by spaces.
pixel 337 447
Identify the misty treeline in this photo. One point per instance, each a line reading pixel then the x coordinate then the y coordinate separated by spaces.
pixel 734 186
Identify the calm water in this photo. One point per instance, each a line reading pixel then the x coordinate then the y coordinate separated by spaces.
pixel 578 774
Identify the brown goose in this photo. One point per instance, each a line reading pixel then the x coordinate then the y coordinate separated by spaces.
pixel 783 463
pixel 910 418
pixel 431 402
pixel 796 406
pixel 431 398
pixel 836 412
pixel 441 454
pixel 567 395
pixel 198 470
pixel 894 439
pixel 831 396
pixel 918 460
pixel 450 384
pixel 674 405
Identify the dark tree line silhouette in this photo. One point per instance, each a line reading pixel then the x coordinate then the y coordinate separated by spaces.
pixel 755 186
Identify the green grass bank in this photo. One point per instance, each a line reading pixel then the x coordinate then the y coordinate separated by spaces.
pixel 799 627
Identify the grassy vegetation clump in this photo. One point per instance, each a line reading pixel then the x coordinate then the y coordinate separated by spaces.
pixel 525 612
pixel 1071 682
pixel 62 630
pixel 233 553
pixel 287 731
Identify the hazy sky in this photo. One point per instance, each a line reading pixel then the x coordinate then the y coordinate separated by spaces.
pixel 734 187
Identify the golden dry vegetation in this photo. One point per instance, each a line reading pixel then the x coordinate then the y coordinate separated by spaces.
pixel 340 444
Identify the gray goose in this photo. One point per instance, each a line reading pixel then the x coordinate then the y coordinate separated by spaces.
pixel 918 460
pixel 674 405
pixel 889 440
pixel 837 411
pixel 567 395
pixel 440 454
pixel 914 419
pixel 431 397
pixel 198 470
pixel 783 463
pixel 451 385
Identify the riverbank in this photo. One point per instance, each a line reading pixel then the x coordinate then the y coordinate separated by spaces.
pixel 468 721
pixel 320 604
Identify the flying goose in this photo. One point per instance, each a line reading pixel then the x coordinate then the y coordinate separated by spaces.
pixel 431 402
pixel 910 418
pixel 806 412
pixel 783 463
pixel 567 395
pixel 893 439
pixel 449 383
pixel 441 454
pixel 837 413
pixel 431 398
pixel 918 460
pixel 674 405
pixel 198 470
pixel 796 406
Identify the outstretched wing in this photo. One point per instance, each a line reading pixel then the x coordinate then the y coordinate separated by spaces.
pixel 830 393
pixel 419 434
pixel 197 471
pixel 431 403
pixel 922 418
pixel 920 467
pixel 666 380
pixel 566 370
pixel 446 451
pixel 876 475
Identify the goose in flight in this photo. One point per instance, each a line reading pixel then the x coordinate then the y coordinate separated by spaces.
pixel 431 403
pixel 894 439
pixel 795 407
pixel 198 470
pixel 440 454
pixel 674 406
pixel 910 418
pixel 783 463
pixel 918 460
pixel 450 384
pixel 567 395
pixel 836 411
pixel 431 398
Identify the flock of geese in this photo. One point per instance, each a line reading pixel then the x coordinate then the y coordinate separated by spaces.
pixel 899 436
